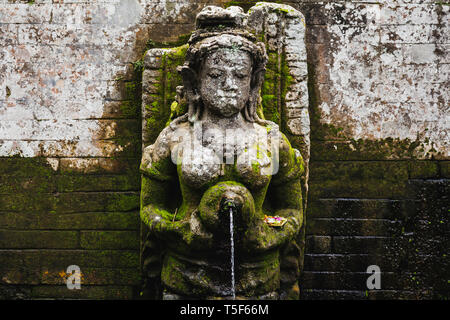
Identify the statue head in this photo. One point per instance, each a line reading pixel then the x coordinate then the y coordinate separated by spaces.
pixel 224 67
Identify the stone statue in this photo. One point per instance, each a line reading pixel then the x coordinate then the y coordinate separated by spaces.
pixel 231 233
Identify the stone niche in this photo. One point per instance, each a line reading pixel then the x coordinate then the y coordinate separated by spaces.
pixel 283 100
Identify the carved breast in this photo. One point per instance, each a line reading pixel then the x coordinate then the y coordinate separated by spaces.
pixel 248 157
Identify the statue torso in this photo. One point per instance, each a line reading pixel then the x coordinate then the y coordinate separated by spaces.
pixel 246 156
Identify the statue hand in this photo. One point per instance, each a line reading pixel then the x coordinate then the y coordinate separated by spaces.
pixel 189 234
pixel 179 235
pixel 264 237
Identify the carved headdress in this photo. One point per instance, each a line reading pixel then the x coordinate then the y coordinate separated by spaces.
pixel 222 28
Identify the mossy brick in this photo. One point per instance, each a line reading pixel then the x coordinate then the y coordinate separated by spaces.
pixel 119 165
pixel 124 109
pixel 28 259
pixel 444 168
pixel 332 280
pixel 19 275
pixel 357 188
pixel 74 183
pixel 358 179
pixel 124 128
pixel 359 244
pixel 12 184
pixel 345 262
pixel 31 239
pixel 125 201
pixel 318 244
pixel 342 149
pixel 93 276
pixel 335 262
pixel 80 166
pixel 398 294
pixel 158 105
pixel 18 220
pixel 90 220
pixel 125 147
pixel 109 239
pixel 347 280
pixel 27 202
pixel 347 227
pixel 423 169
pixel 392 171
pixel 86 292
pixel 98 166
pixel 356 208
pixel 14 292
pixel 120 147
pixel 321 294
pixel 28 167
pixel 428 190
pixel 52 259
pixel 77 202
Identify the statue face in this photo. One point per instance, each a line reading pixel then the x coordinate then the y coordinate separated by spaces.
pixel 224 81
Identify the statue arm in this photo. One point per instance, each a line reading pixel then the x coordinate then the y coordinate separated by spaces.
pixel 158 177
pixel 159 181
pixel 286 195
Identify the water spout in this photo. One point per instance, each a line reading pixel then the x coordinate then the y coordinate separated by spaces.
pixel 233 289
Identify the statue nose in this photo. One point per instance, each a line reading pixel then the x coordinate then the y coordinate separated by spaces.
pixel 229 83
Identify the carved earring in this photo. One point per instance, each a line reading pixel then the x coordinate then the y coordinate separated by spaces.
pixel 249 109
pixel 189 80
pixel 194 109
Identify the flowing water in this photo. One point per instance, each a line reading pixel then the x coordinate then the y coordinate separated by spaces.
pixel 233 290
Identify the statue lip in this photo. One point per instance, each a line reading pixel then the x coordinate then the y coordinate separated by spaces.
pixel 231 95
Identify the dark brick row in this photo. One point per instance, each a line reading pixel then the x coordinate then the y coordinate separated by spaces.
pixel 70 202
pixel 357 208
pixel 74 221
pixel 346 262
pixel 43 239
pixel 351 227
pixel 353 281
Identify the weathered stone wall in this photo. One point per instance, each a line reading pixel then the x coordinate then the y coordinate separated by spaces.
pixel 379 107
pixel 70 143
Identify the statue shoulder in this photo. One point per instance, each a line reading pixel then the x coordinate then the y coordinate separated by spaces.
pixel 291 164
pixel 159 153
pixel 166 139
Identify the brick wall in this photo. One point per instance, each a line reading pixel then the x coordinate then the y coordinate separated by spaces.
pixel 393 214
pixel 70 144
pixel 378 188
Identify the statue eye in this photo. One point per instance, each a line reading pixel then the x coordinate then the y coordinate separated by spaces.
pixel 214 74
pixel 241 75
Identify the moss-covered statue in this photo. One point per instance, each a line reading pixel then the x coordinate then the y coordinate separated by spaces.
pixel 221 190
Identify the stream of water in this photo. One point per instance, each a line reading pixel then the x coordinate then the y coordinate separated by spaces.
pixel 233 290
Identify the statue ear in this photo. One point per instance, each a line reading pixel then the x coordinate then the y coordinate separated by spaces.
pixel 255 86
pixel 190 81
pixel 189 77
pixel 257 79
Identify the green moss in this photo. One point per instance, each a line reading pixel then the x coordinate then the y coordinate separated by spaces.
pixel 182 40
pixel 164 107
pixel 246 4
pixel 277 80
